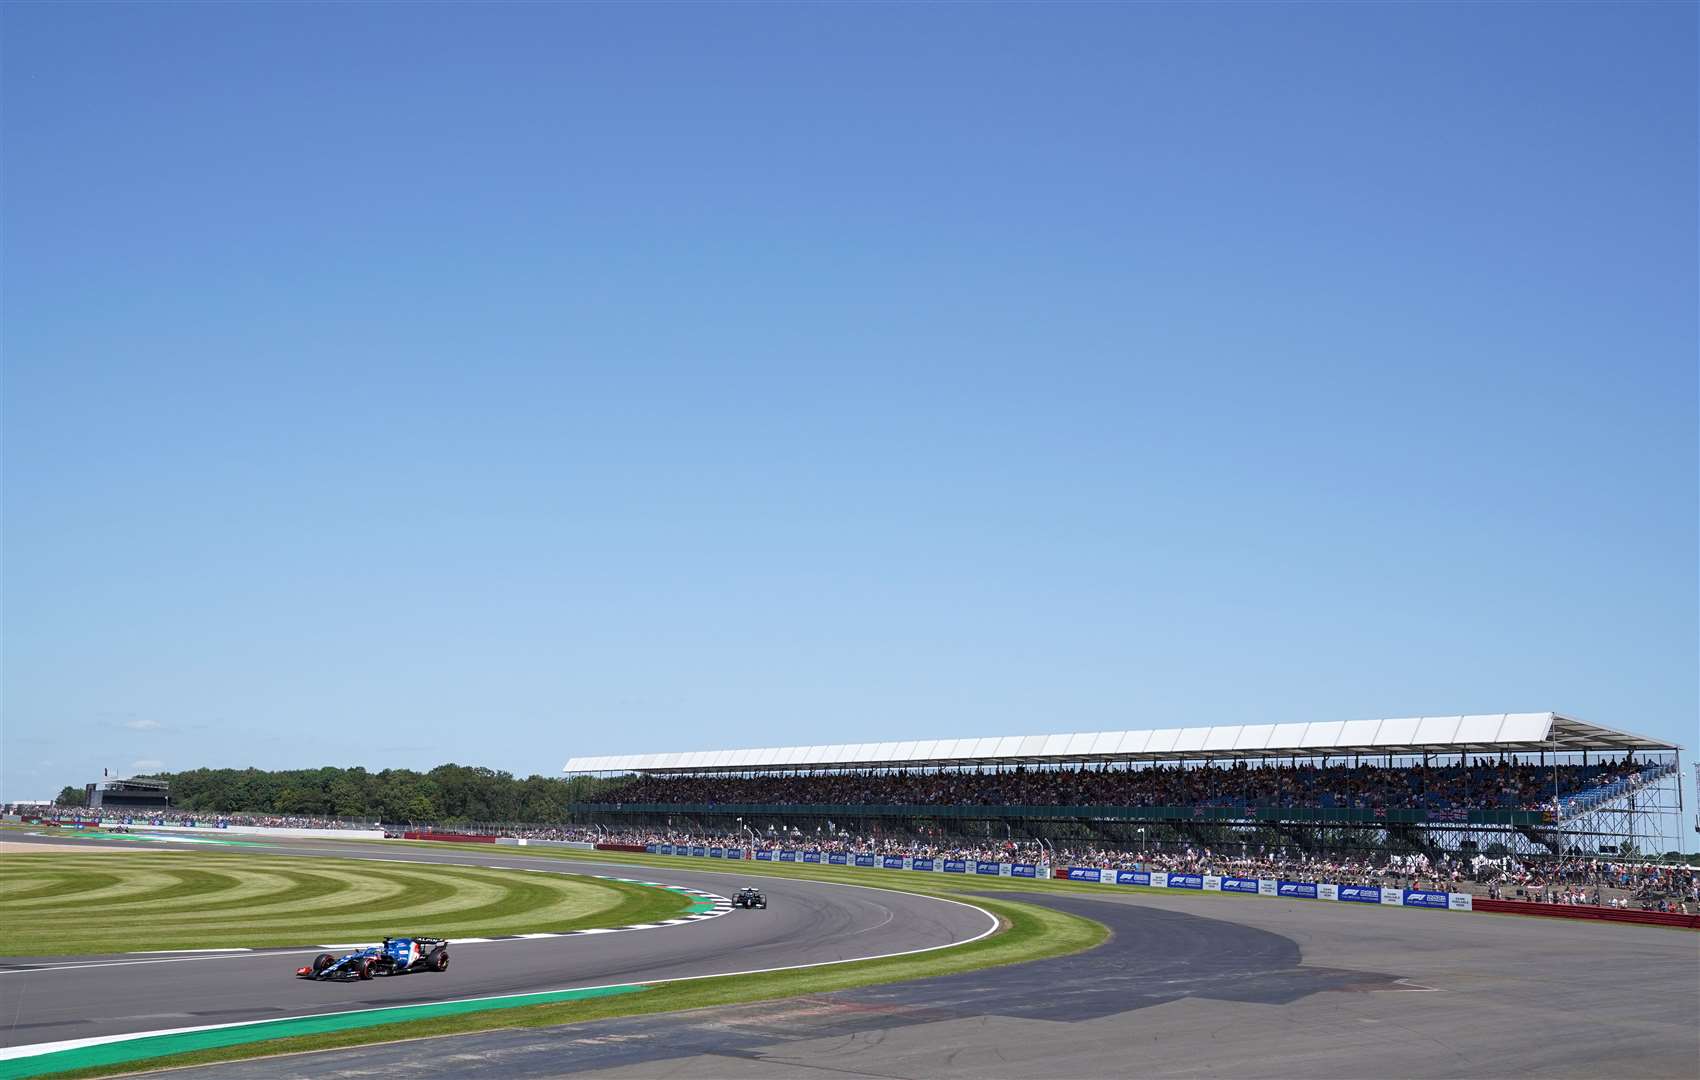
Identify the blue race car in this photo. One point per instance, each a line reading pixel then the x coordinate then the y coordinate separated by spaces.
pixel 395 956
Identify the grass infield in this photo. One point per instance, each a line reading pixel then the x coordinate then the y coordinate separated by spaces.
pixel 1027 933
pixel 72 903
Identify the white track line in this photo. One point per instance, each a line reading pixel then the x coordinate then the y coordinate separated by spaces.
pixel 161 952
pixel 37 1049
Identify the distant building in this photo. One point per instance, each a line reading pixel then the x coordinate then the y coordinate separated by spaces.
pixel 115 794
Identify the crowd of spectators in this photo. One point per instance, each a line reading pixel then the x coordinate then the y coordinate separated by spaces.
pixel 1484 783
pixel 1607 883
pixel 147 816
pixel 1611 884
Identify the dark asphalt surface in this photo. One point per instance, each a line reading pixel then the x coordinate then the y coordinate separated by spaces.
pixel 50 1000
pixel 1187 987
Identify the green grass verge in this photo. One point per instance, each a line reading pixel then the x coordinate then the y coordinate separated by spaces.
pixel 72 903
pixel 1028 933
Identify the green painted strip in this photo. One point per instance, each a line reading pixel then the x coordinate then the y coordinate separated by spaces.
pixel 155 1046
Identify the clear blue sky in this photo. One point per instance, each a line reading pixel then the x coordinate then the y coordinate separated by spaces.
pixel 393 385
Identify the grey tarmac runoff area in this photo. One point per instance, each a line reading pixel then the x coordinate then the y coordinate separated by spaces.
pixel 1187 986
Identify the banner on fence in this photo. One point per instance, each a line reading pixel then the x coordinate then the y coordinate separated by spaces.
pixel 892 862
pixel 1425 898
pixel 1460 901
pixel 1185 881
pixel 1132 877
pixel 955 866
pixel 1358 894
pixel 1325 891
pixel 1021 869
pixel 920 863
pixel 864 860
pixel 811 856
pixel 1083 873
pixel 1303 890
pixel 988 868
pixel 838 858
pixel 1240 885
pixel 764 856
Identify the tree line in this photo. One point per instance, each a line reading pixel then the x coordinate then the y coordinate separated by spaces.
pixel 448 793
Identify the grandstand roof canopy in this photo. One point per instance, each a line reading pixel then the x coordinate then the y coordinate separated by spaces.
pixel 1508 733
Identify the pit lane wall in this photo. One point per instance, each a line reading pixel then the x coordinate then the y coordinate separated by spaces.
pixel 260 830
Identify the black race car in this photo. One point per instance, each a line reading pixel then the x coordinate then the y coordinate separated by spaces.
pixel 395 956
pixel 749 897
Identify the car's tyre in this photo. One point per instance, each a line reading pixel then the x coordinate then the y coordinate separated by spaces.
pixel 322 961
pixel 438 959
pixel 365 969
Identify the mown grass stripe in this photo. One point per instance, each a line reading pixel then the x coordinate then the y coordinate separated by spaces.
pixel 255 901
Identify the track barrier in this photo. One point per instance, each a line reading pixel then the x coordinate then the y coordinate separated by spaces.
pixel 1327 892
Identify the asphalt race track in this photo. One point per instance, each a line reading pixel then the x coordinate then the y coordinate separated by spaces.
pixel 1238 988
pixel 51 999
pixel 1187 986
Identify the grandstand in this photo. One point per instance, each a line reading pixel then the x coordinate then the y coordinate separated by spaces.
pixel 128 793
pixel 1502 783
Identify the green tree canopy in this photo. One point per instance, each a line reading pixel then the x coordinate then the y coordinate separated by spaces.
pixel 448 793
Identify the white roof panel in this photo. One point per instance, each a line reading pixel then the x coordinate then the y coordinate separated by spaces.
pixel 1358 733
pixel 1254 736
pixel 1133 742
pixel 1080 743
pixel 1191 739
pixel 1480 729
pixel 1397 732
pixel 1526 727
pixel 946 750
pixel 1105 742
pixel 1437 729
pixel 1222 738
pixel 1323 735
pixel 1162 740
pixel 1429 733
